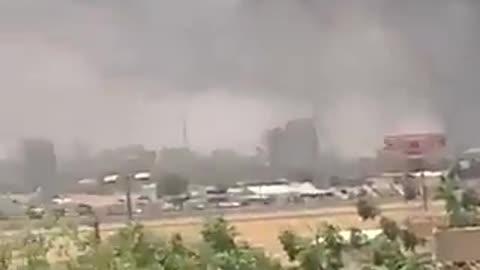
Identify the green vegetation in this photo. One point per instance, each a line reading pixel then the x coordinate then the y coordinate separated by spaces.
pixel 366 209
pixel 460 205
pixel 328 250
pixel 66 247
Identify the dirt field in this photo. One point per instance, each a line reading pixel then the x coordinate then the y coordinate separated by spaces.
pixel 262 230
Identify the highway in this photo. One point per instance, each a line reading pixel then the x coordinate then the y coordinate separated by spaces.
pixel 262 213
pixel 317 205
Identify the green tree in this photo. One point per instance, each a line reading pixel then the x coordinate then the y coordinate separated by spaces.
pixel 366 209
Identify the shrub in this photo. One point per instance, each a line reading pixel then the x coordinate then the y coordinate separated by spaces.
pixel 366 209
pixel 219 235
pixel 292 244
pixel 390 228
pixel 410 241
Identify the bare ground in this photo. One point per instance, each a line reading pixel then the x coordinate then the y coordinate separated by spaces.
pixel 262 230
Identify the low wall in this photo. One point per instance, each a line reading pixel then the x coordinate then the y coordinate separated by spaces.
pixel 424 225
pixel 457 244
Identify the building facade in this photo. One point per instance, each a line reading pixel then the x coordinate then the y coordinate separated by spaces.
pixel 293 148
pixel 413 152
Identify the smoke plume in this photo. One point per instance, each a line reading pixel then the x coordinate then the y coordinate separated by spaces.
pixel 117 72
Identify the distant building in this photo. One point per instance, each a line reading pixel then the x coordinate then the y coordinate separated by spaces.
pixel 412 152
pixel 128 159
pixel 293 148
pixel 175 156
pixel 39 163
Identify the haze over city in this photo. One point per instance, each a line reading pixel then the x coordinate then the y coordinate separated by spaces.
pixel 111 73
pixel 239 134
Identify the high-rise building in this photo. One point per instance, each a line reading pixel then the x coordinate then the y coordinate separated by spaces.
pixel 294 147
pixel 39 163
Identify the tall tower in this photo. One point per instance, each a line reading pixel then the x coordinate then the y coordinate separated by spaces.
pixel 315 128
pixel 186 143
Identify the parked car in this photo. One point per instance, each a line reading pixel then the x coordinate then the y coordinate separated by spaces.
pixel 167 206
pixel 143 200
pixel 84 209
pixel 35 212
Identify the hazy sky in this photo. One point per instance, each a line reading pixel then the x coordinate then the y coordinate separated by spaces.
pixel 112 72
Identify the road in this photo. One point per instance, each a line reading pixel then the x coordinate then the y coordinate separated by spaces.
pixel 262 213
pixel 246 210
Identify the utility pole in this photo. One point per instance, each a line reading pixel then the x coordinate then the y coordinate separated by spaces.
pixel 424 192
pixel 129 175
pixel 96 228
pixel 128 200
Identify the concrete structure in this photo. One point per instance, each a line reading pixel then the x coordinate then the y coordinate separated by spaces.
pixel 457 245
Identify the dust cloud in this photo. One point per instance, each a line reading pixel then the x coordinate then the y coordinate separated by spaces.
pixel 118 72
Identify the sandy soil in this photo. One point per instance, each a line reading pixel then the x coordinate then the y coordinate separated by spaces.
pixel 262 230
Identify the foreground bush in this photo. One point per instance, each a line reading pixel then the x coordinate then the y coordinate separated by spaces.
pixel 134 248
pixel 366 209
